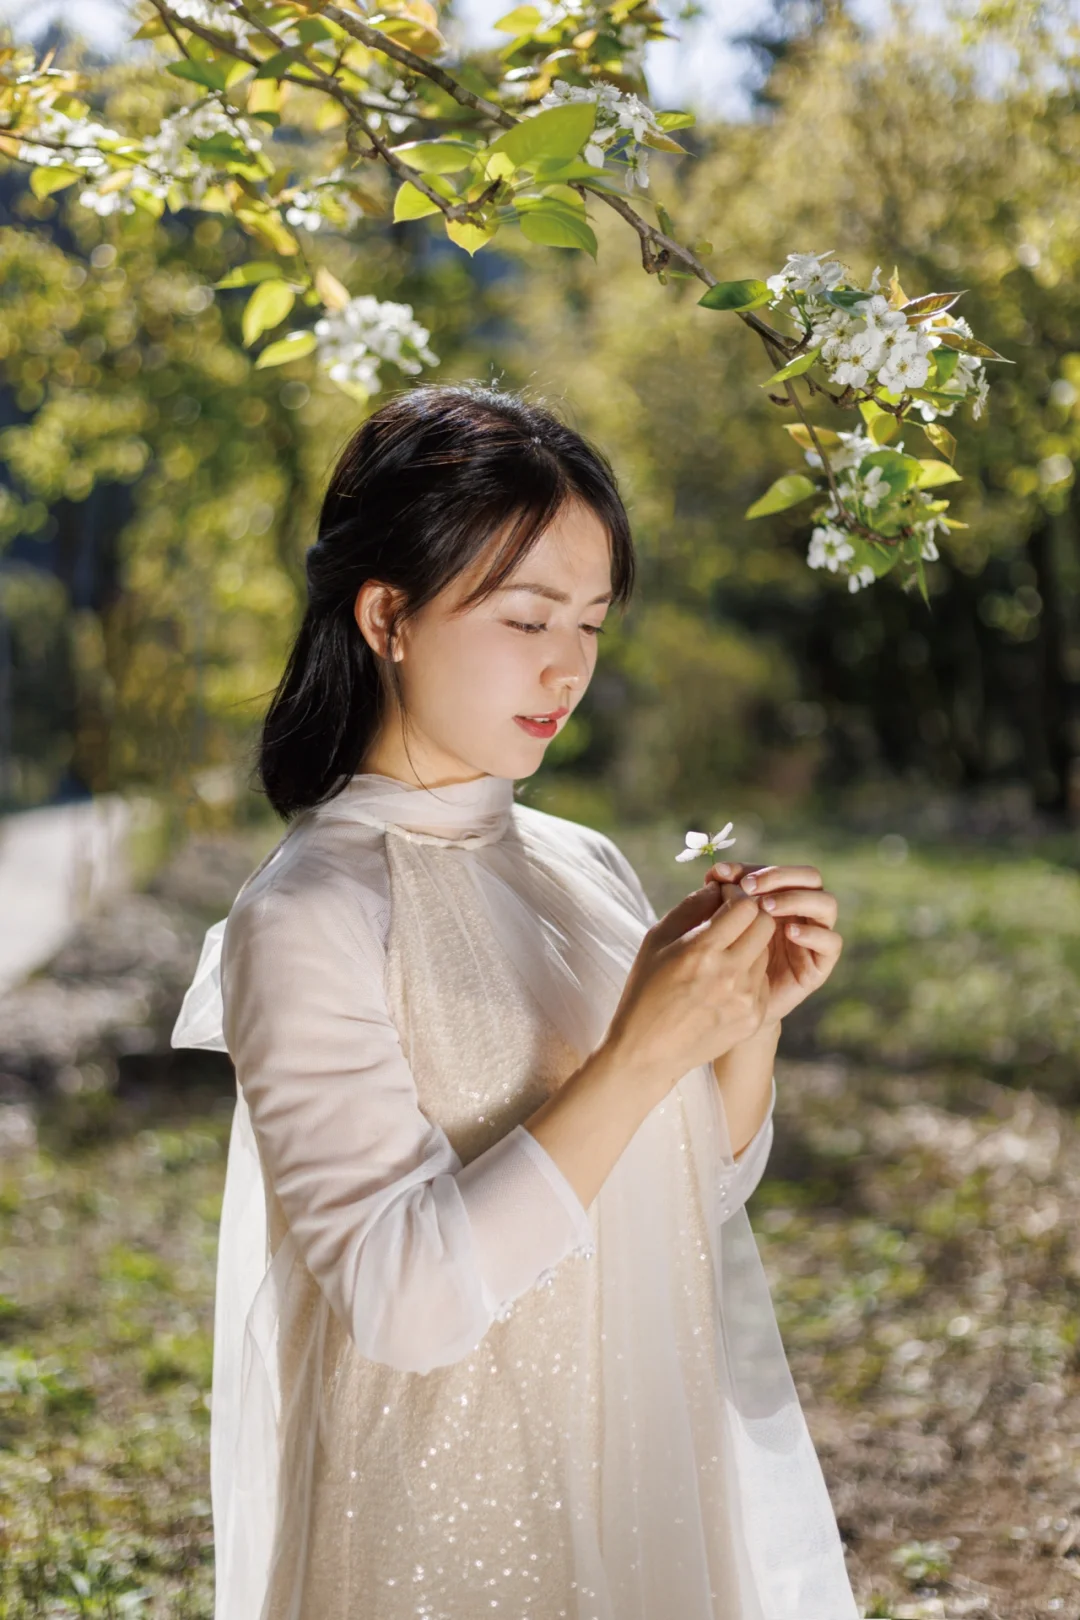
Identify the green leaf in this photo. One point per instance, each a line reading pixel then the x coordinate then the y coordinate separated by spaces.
pixel 847 297
pixel 827 439
pixel 944 362
pixel 794 368
pixel 409 203
pixel 935 473
pixel 211 75
pixel 787 491
pixel 435 157
pixel 293 347
pixel 968 345
pixel 941 439
pixel 920 575
pixel 553 223
pixel 43 182
pixel 246 275
pixel 736 295
pixel 522 20
pixel 917 309
pixel 899 471
pixel 556 132
pixel 675 120
pixel 287 61
pixel 267 307
pixel 470 237
pixel 221 147
pixel 311 29
pixel 880 425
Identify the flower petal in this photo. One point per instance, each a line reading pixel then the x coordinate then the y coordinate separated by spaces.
pixel 696 840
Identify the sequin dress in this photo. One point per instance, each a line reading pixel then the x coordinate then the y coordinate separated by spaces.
pixel 443 1388
pixel 470 1514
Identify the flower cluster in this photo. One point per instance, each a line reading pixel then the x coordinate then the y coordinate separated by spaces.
pixel 864 487
pixel 865 339
pixel 153 166
pixel 327 202
pixel 619 114
pixel 73 144
pixel 699 843
pixel 351 342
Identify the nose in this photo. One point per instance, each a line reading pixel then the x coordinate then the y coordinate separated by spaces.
pixel 567 679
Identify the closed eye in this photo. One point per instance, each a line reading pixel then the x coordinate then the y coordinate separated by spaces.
pixel 515 624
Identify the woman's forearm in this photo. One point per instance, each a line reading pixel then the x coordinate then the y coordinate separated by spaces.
pixel 590 1120
pixel 744 1076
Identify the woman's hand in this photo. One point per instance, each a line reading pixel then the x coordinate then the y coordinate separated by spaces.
pixel 697 987
pixel 805 946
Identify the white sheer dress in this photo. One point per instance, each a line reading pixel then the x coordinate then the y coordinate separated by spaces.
pixel 442 1387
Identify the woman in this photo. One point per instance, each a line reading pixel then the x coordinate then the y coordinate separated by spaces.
pixel 491 1330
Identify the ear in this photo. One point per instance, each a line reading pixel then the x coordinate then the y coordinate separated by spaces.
pixel 371 609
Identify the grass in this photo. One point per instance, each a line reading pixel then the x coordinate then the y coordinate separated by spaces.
pixel 105 1356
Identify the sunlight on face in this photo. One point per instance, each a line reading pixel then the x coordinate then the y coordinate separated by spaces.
pixel 466 675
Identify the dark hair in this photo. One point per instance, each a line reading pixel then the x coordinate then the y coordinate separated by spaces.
pixel 417 494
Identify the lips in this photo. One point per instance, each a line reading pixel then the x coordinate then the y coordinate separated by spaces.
pixel 541 728
pixel 555 714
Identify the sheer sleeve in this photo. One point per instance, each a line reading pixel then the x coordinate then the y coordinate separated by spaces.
pixel 415 1253
pixel 746 1169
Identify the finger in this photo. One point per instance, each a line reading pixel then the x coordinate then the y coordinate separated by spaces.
pixel 765 879
pixel 725 872
pixel 733 918
pixel 816 905
pixel 819 941
pixel 688 913
pixel 753 942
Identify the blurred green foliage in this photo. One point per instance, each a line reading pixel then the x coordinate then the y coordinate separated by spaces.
pixel 737 666
pixel 900 147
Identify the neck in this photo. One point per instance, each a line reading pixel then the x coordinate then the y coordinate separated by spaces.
pixel 387 757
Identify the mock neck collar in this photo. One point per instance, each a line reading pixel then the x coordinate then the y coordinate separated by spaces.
pixel 467 814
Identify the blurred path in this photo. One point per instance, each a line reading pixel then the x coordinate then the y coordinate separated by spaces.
pixel 55 865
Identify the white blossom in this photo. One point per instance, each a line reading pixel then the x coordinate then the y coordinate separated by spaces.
pixel 699 843
pixel 829 547
pixel 353 340
pixel 619 113
pixel 157 164
pixel 308 208
pixel 861 577
pixel 874 488
pixel 904 369
pixel 853 447
pixel 848 374
pixel 982 389
pixel 78 149
pixel 808 273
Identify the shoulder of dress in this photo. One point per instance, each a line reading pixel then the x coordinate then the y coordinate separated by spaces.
pixel 333 877
pixel 582 841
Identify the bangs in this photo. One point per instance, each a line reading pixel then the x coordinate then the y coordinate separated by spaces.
pixel 551 493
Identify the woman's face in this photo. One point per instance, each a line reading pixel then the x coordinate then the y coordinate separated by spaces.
pixel 468 676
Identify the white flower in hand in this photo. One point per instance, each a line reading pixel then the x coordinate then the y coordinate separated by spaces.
pixel 699 843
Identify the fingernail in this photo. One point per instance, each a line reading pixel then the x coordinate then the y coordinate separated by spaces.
pixel 724 869
pixel 769 903
pixel 793 929
pixel 749 883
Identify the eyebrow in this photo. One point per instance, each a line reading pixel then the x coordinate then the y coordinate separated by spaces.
pixel 551 592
